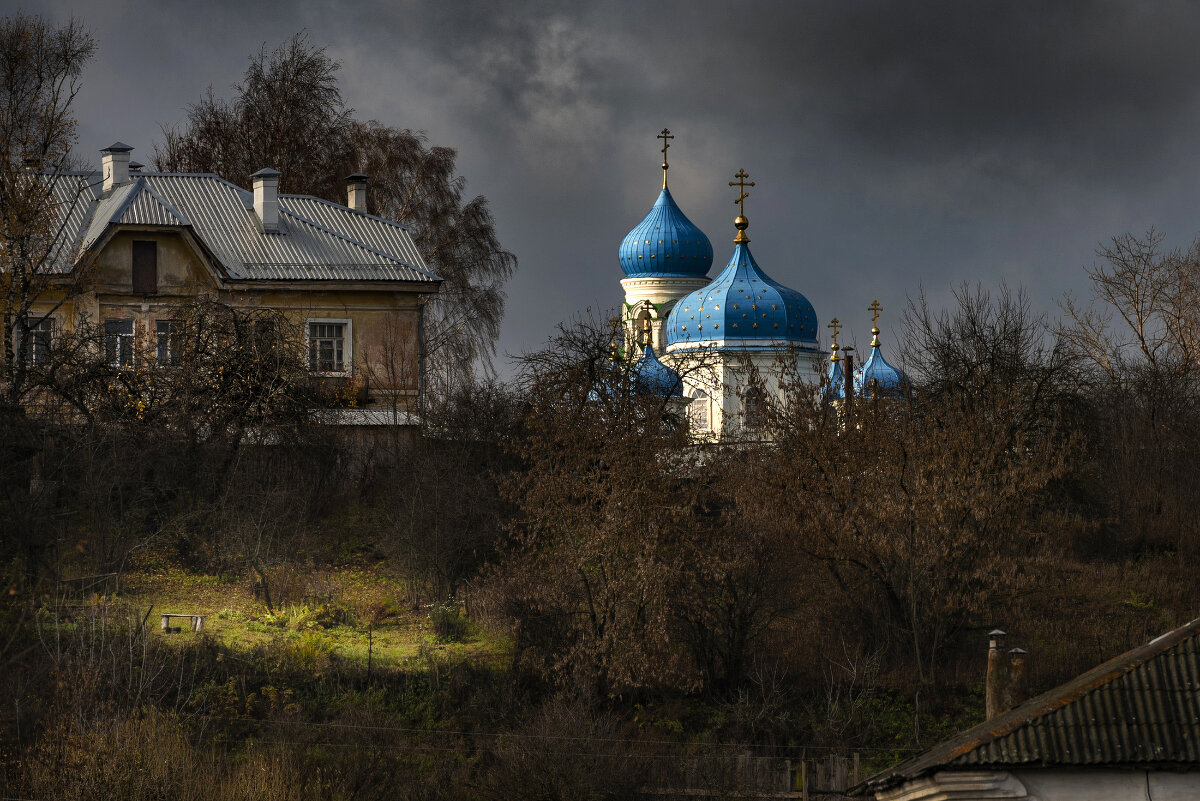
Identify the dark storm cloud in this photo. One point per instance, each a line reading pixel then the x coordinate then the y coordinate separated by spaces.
pixel 895 144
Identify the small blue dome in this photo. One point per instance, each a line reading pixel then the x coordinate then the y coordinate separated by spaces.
pixel 666 243
pixel 743 304
pixel 835 382
pixel 652 377
pixel 878 379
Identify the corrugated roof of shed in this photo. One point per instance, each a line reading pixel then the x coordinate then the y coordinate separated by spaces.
pixel 1141 709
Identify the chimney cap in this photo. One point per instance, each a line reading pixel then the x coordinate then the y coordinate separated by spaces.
pixel 357 178
pixel 136 165
pixel 1018 651
pixel 997 633
pixel 117 147
pixel 267 172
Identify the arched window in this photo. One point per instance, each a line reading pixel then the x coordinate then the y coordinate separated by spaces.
pixel 639 325
pixel 754 408
pixel 698 411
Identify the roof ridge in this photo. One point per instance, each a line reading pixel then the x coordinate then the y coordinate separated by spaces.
pixel 154 193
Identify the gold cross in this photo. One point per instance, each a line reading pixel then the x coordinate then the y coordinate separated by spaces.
pixel 836 325
pixel 741 184
pixel 665 135
pixel 875 308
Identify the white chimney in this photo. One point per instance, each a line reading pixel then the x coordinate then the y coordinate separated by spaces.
pixel 266 198
pixel 115 164
pixel 356 192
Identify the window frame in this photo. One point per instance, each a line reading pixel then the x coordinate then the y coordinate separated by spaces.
pixel 347 345
pixel 174 342
pixel 700 403
pixel 149 283
pixel 27 346
pixel 132 337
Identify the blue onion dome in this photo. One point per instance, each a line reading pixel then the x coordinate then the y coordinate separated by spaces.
pixel 742 308
pixel 652 377
pixel 876 378
pixel 835 381
pixel 666 243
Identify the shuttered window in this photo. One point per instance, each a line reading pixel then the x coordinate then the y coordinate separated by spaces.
pixel 145 267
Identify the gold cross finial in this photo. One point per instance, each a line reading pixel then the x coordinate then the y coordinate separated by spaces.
pixel 741 183
pixel 665 136
pixel 875 309
pixel 741 223
pixel 836 325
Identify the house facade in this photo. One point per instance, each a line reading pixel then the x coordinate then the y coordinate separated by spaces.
pixel 135 246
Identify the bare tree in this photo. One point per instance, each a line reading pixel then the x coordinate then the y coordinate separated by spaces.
pixel 40 70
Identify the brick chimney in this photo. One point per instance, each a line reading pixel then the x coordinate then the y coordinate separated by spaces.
pixel 997 675
pixel 1017 692
pixel 266 198
pixel 356 192
pixel 114 163
pixel 1007 683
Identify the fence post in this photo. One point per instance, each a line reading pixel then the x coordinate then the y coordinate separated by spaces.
pixel 804 774
pixel 857 778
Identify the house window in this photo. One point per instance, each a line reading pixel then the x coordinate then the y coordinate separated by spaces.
pixel 145 267
pixel 118 343
pixel 167 342
pixel 36 347
pixel 698 410
pixel 328 346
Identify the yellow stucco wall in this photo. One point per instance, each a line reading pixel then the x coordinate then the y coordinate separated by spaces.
pixel 384 324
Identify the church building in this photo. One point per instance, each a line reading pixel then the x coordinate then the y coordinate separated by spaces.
pixel 729 338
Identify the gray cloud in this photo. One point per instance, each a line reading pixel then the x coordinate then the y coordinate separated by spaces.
pixel 894 144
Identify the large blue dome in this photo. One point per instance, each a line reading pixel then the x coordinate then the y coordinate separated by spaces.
pixel 742 308
pixel 666 243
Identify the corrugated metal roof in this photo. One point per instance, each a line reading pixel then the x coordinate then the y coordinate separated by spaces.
pixel 1140 709
pixel 317 241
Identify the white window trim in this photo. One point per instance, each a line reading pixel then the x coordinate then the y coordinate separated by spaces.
pixel 133 340
pixel 168 365
pixel 701 402
pixel 347 349
pixel 19 342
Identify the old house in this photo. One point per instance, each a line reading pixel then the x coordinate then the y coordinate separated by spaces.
pixel 145 242
pixel 1126 730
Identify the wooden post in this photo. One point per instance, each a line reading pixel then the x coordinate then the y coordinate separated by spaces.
pixel 166 622
pixel 804 774
pixel 857 773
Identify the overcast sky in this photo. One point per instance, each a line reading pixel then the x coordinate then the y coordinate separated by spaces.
pixel 895 145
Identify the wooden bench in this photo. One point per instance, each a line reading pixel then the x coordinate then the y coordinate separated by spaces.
pixel 197 622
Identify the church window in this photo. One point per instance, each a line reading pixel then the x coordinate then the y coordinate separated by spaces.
pixel 329 346
pixel 754 408
pixel 698 410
